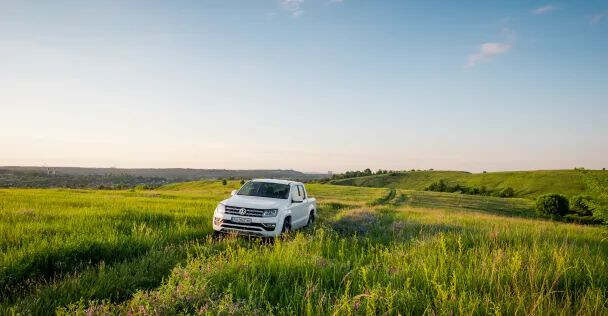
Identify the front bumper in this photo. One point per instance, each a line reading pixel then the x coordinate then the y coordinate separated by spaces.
pixel 259 226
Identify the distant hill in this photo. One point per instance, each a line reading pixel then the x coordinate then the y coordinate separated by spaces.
pixel 528 184
pixel 74 177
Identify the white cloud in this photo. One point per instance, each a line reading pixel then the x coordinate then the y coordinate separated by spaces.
pixel 294 7
pixel 597 18
pixel 487 51
pixel 544 9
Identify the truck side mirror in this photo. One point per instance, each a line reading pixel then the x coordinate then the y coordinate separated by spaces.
pixel 233 192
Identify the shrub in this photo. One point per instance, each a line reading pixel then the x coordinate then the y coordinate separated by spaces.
pixel 599 209
pixel 224 182
pixel 439 186
pixel 581 205
pixel 507 192
pixel 583 220
pixel 483 190
pixel 552 204
pixel 242 181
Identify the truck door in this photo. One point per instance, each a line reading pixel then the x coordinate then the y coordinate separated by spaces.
pixel 298 209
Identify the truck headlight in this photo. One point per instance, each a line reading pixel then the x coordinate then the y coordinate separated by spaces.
pixel 270 213
pixel 220 209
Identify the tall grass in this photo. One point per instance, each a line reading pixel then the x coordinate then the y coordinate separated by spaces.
pixel 364 261
pixel 373 251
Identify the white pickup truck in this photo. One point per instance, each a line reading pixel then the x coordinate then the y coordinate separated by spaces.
pixel 265 207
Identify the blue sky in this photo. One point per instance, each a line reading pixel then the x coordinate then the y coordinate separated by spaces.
pixel 312 85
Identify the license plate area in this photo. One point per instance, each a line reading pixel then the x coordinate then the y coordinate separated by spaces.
pixel 241 220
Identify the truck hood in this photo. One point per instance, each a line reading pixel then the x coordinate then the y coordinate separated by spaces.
pixel 254 202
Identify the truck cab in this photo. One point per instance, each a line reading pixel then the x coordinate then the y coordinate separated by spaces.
pixel 266 208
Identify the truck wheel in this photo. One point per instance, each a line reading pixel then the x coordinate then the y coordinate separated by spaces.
pixel 286 225
pixel 311 218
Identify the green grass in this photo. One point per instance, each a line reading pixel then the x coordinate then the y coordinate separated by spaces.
pixel 495 205
pixel 527 184
pixel 373 251
pixel 52 240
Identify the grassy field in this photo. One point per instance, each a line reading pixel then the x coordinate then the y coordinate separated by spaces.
pixel 373 251
pixel 527 184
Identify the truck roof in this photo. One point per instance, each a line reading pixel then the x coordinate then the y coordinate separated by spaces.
pixel 276 181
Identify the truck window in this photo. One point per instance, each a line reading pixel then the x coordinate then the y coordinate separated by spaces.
pixel 302 192
pixel 265 189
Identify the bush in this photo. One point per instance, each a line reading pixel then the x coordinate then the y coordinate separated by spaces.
pixel 581 205
pixel 552 204
pixel 507 192
pixel 439 186
pixel 224 182
pixel 599 209
pixel 583 220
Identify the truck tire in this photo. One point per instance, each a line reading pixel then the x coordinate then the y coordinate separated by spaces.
pixel 286 225
pixel 311 219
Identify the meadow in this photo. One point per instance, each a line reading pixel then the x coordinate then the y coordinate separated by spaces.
pixel 373 251
pixel 527 184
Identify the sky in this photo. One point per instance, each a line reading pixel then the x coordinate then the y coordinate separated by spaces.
pixel 310 85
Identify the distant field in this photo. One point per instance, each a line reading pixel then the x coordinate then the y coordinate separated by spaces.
pixel 527 184
pixel 373 251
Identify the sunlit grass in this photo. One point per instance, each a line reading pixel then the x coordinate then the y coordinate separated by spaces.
pixel 372 251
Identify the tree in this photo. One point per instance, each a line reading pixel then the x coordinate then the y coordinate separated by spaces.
pixel 367 171
pixel 224 182
pixel 242 181
pixel 552 204
pixel 581 205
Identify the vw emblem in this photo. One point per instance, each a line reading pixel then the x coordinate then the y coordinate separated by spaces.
pixel 242 211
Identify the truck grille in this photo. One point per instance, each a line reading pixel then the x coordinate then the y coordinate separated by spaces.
pixel 250 226
pixel 252 212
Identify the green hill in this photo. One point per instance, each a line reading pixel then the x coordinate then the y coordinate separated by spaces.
pixel 527 184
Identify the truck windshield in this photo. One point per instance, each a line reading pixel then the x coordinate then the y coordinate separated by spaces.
pixel 265 189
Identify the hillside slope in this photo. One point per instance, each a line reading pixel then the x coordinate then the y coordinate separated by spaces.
pixel 170 174
pixel 528 184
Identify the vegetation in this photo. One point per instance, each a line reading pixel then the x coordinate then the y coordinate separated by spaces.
pixel 582 205
pixel 373 251
pixel 525 184
pixel 114 178
pixel 364 173
pixel 552 204
pixel 442 186
pixel 35 179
